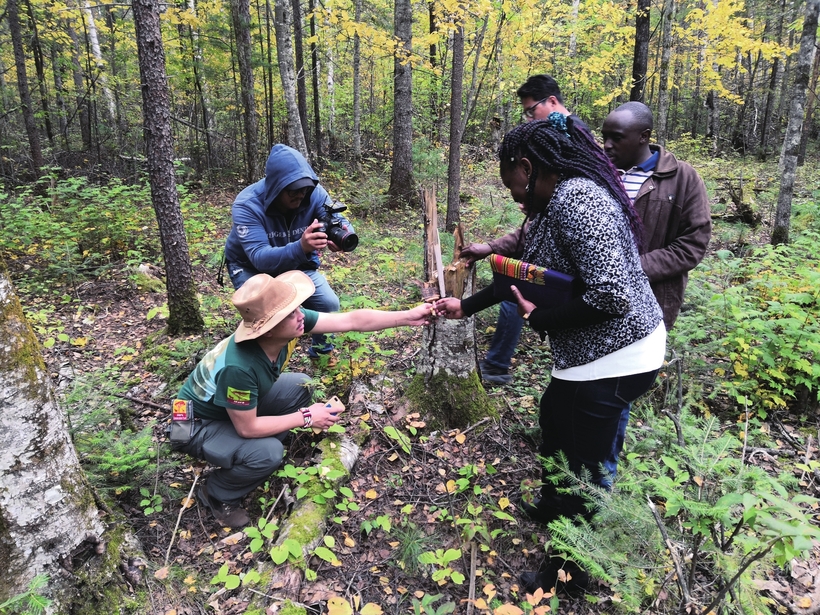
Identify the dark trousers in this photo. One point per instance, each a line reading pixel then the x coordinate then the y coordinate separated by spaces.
pixel 581 420
pixel 245 463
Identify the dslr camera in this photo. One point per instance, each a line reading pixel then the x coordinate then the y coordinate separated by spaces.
pixel 337 231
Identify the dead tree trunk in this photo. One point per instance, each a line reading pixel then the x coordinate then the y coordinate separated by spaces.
pixel 447 388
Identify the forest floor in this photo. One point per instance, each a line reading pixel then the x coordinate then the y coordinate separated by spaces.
pixel 405 501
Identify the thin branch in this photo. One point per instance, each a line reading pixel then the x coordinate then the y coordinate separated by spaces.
pixel 684 587
pixel 182 508
pixel 722 593
pixel 144 402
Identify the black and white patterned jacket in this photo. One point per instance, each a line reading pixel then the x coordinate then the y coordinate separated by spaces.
pixel 584 232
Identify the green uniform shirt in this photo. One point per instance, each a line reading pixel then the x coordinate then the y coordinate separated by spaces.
pixel 235 376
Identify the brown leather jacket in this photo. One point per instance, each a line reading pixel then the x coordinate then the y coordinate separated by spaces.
pixel 677 224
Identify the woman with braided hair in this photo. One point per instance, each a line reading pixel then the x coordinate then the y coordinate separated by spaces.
pixel 607 343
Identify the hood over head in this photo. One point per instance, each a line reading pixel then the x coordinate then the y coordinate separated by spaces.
pixel 284 167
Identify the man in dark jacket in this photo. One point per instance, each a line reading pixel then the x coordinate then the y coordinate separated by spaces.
pixel 671 200
pixel 276 228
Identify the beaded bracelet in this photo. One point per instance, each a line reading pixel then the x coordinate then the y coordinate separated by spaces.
pixel 307 416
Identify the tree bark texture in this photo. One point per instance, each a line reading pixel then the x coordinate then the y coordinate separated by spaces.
pixel 241 16
pixel 640 59
pixel 810 105
pixel 791 142
pixel 772 89
pixel 357 88
pixel 284 53
pixel 13 12
pixel 183 306
pixel 299 54
pixel 663 78
pixel 402 191
pixel 314 79
pixel 46 507
pixel 454 165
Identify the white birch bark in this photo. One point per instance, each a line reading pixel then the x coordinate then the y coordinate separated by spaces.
pixel 46 507
pixel 100 62
pixel 284 53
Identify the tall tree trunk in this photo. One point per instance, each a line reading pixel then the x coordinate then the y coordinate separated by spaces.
pixel 183 306
pixel 314 74
pixel 301 88
pixel 401 191
pixel 284 53
pixel 640 59
pixel 83 112
pixel 475 82
pixel 661 127
pixel 357 87
pixel 39 67
pixel 331 100
pixel 573 37
pixel 99 61
pixel 791 142
pixel 772 89
pixel 435 80
pixel 456 131
pixel 241 16
pixel 59 92
pixel 810 104
pixel 22 86
pixel 267 67
pixel 201 88
pixel 47 509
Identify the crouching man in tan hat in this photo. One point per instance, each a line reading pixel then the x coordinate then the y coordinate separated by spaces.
pixel 243 404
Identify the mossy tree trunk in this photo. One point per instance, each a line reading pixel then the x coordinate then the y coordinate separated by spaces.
pixel 447 388
pixel 49 522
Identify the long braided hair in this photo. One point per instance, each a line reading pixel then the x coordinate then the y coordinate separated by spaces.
pixel 555 145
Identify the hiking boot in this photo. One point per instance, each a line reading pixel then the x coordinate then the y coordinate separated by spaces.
pixel 494 375
pixel 557 573
pixel 226 515
pixel 316 356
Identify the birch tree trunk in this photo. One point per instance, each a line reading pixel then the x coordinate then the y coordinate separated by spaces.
pixel 791 142
pixel 13 12
pixel 810 104
pixel 91 26
pixel 401 191
pixel 284 53
pixel 183 305
pixel 83 112
pixel 47 509
pixel 241 16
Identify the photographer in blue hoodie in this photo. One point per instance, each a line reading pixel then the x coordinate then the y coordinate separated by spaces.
pixel 277 227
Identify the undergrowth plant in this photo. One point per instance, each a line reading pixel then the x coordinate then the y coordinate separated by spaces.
pixel 690 523
pixel 756 319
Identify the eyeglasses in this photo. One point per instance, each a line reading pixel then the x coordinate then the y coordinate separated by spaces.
pixel 529 112
pixel 300 193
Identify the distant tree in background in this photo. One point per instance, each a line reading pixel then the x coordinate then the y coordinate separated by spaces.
pixel 241 17
pixel 791 143
pixel 402 188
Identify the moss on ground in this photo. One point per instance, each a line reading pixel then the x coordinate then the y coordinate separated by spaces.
pixel 448 401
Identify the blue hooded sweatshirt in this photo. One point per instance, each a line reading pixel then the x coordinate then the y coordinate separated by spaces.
pixel 261 237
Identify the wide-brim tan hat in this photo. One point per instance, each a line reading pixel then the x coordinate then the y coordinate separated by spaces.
pixel 264 301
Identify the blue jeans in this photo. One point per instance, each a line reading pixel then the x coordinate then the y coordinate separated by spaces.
pixel 322 300
pixel 581 420
pixel 505 338
pixel 618 445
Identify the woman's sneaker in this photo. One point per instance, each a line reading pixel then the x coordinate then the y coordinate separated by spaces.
pixel 562 575
pixel 226 515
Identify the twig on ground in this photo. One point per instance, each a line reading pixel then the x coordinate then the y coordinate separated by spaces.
pixel 471 594
pixel 179 518
pixel 471 427
pixel 678 567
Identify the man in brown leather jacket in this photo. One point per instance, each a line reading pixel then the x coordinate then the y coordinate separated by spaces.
pixel 671 199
